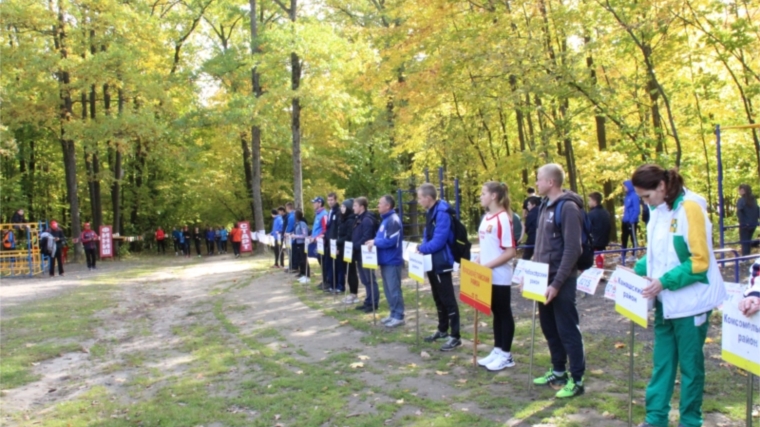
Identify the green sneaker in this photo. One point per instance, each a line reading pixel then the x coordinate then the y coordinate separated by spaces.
pixel 552 380
pixel 571 389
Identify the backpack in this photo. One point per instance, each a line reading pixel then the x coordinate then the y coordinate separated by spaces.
pixel 461 245
pixel 517 228
pixel 586 260
pixel 47 244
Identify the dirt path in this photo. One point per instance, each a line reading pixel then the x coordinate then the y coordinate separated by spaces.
pixel 138 341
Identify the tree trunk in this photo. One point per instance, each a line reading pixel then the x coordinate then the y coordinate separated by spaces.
pixel 247 157
pixel 258 209
pixel 67 144
pixel 117 176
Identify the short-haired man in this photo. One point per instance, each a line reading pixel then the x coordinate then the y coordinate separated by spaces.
pixel 364 231
pixel 437 240
pixel 600 222
pixel 277 228
pixel 290 226
pixel 331 278
pixel 319 228
pixel 560 247
pixel 390 258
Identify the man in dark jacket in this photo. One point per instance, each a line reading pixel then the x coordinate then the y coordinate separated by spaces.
pixel 89 240
pixel 364 231
pixel 531 225
pixel 560 247
pixel 631 210
pixel 345 234
pixel 330 277
pixel 436 242
pixel 600 222
pixel 60 241
pixel 390 257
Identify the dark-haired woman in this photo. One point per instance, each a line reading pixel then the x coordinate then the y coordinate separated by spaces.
pixel 687 284
pixel 300 260
pixel 748 213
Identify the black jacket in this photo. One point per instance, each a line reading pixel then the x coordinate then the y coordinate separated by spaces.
pixel 58 234
pixel 363 231
pixel 531 226
pixel 346 225
pixel 17 218
pixel 748 215
pixel 333 223
pixel 600 227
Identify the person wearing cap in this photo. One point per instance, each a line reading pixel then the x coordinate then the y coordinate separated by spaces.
pixel 60 240
pixel 319 228
pixel 89 239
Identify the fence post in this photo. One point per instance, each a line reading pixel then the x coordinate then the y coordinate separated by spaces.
pixel 400 204
pixel 427 175
pixel 721 202
pixel 440 183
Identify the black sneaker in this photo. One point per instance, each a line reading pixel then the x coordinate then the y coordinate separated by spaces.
pixel 361 307
pixel 451 344
pixel 438 335
pixel 369 309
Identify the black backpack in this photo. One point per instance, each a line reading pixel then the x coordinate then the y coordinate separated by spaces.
pixel 586 260
pixel 461 245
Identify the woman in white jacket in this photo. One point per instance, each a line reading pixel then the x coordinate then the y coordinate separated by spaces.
pixel 687 284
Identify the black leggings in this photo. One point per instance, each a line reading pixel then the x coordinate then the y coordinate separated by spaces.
pixel 300 260
pixel 58 257
pixel 629 230
pixel 279 255
pixel 198 246
pixel 353 276
pixel 210 247
pixel 90 255
pixel 162 246
pixel 503 321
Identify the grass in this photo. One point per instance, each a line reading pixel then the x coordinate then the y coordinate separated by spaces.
pixel 38 331
pixel 235 377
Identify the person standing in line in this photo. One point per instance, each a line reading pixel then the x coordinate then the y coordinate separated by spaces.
pixel 531 227
pixel 300 233
pixel 236 235
pixel 748 213
pixel 332 276
pixel 363 232
pixel 176 234
pixel 224 236
pixel 750 304
pixel 437 239
pixel 686 281
pixel 198 238
pixel 600 222
pixel 161 241
pixel 318 230
pixel 60 240
pixel 187 237
pixel 277 228
pixel 631 210
pixel 290 226
pixel 217 240
pixel 345 234
pixel 390 258
pixel 560 247
pixel 210 240
pixel 497 249
pixel 525 210
pixel 89 240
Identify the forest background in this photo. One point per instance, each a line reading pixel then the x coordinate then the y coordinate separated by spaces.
pixel 141 113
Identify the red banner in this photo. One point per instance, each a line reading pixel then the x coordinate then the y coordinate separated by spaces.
pixel 246 245
pixel 106 241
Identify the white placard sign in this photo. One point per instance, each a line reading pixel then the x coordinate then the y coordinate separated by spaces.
pixel 589 280
pixel 333 248
pixel 535 280
pixel 306 242
pixel 741 334
pixel 348 251
pixel 320 246
pixel 409 249
pixel 369 257
pixel 519 271
pixel 628 298
pixel 417 267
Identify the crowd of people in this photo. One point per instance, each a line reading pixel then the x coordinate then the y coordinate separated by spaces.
pixel 679 263
pixel 211 239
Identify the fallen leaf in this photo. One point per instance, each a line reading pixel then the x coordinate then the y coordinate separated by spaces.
pixel 299 372
pixel 400 402
pixel 465 410
pixel 709 340
pixel 441 373
pixel 357 365
pixel 425 355
pixel 597 372
pixel 343 322
pixel 363 357
pixel 619 345
pixel 462 381
pixel 418 413
pixel 277 417
pixel 412 365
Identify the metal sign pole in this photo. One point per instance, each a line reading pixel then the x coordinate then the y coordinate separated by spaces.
pixel 334 288
pixel 532 345
pixel 630 376
pixel 475 343
pixel 372 297
pixel 417 305
pixel 750 387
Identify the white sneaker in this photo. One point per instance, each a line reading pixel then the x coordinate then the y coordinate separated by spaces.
pixel 385 320
pixel 351 299
pixel 501 362
pixel 303 279
pixel 394 323
pixel 490 358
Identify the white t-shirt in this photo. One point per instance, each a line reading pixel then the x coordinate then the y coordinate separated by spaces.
pixel 495 235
